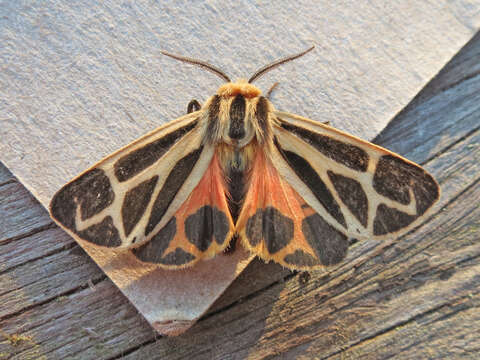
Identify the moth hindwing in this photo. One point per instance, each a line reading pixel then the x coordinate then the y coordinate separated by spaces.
pixel 290 189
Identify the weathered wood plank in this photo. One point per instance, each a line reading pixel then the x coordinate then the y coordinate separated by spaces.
pixel 449 332
pixel 44 279
pixel 92 323
pixel 21 212
pixel 32 247
pixel 5 175
pixel 422 131
pixel 450 101
pixel 463 66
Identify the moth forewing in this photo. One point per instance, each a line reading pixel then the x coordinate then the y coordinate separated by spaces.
pixel 183 182
pixel 187 187
pixel 380 193
pixel 301 188
pixel 90 206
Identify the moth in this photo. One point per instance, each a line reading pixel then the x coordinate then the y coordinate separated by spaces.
pixel 289 189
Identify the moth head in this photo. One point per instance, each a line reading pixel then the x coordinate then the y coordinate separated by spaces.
pixel 238 113
pixel 241 87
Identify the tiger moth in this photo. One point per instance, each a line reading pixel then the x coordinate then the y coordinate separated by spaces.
pixel 289 189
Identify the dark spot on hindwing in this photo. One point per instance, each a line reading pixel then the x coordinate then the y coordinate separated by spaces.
pixel 153 250
pixel 301 258
pixel 310 178
pixel 394 177
pixel 177 257
pixel 172 185
pixel 352 195
pixel 389 220
pixel 346 154
pixel 92 192
pixel 237 118
pixel 207 224
pixel 135 202
pixel 270 225
pixel 329 244
pixel 262 116
pixel 103 233
pixel 138 160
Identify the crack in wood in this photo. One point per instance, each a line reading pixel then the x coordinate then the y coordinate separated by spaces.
pixel 399 325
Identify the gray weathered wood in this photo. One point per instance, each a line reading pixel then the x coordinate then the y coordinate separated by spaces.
pixel 417 297
pixel 5 175
pixel 24 213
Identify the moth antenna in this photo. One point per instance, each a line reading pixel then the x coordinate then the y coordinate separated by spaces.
pixel 269 93
pixel 276 63
pixel 199 63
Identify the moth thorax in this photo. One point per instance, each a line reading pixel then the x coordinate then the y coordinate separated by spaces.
pixel 236 160
pixel 237 119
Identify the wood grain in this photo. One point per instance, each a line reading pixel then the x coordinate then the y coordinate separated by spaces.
pixel 417 297
pixel 5 175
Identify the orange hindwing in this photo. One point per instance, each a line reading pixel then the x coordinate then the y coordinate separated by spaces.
pixel 277 224
pixel 201 227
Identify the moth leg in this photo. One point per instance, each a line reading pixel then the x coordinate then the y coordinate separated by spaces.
pixel 193 105
pixel 269 93
pixel 304 277
pixel 232 245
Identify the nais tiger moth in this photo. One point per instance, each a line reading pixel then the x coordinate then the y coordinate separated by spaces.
pixel 290 189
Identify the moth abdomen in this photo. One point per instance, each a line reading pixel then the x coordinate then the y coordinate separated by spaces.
pixel 236 191
pixel 236 165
